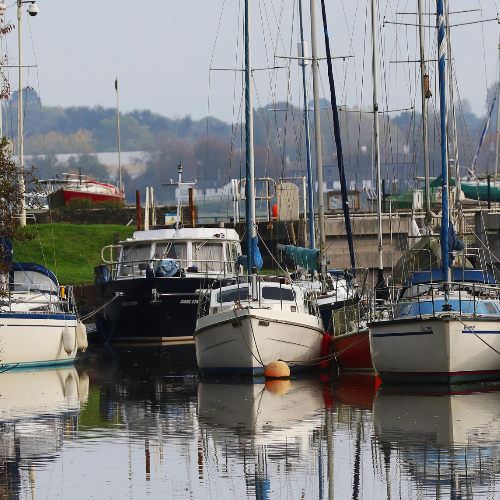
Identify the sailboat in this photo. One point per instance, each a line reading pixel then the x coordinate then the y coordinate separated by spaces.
pixel 244 326
pixel 339 298
pixel 37 316
pixel 445 326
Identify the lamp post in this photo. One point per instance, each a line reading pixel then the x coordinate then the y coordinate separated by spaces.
pixel 32 11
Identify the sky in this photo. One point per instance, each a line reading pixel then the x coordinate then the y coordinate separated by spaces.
pixel 161 52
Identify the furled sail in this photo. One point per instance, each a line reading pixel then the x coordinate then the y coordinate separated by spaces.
pixel 308 258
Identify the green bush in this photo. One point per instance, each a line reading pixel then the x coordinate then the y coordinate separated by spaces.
pixel 89 204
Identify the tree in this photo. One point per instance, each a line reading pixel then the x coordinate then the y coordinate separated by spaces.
pixel 12 193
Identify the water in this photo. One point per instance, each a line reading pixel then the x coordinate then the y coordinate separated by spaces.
pixel 136 422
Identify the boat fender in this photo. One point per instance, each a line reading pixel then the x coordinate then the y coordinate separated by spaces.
pixel 68 340
pixel 81 336
pixel 324 364
pixel 277 369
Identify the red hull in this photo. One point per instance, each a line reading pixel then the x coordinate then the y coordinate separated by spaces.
pixel 352 351
pixel 96 197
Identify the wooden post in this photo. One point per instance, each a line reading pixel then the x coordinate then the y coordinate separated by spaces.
pixel 138 209
pixel 191 208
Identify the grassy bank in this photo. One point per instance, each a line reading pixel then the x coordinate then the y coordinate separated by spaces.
pixel 71 251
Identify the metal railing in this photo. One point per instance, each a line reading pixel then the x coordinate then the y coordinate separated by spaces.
pixel 60 300
pixel 470 293
pixel 206 267
pixel 310 298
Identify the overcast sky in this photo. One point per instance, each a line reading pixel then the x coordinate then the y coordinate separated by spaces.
pixel 161 52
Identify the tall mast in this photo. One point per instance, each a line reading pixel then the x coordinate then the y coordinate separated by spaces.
pixel 317 143
pixel 426 93
pixel 444 152
pixel 120 187
pixel 310 199
pixel 376 139
pixel 458 187
pixel 498 121
pixel 338 142
pixel 250 178
pixel 20 131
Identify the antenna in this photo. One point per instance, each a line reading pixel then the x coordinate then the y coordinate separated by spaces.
pixel 179 183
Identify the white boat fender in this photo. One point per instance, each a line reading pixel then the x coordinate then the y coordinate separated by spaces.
pixel 81 336
pixel 68 340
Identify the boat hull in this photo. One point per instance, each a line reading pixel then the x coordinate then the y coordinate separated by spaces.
pixel 132 317
pixel 34 340
pixel 245 341
pixel 436 350
pixel 352 351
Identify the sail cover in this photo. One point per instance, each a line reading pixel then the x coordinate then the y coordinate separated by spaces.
pixel 308 258
pixel 257 257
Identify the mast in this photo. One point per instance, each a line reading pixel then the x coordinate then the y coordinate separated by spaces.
pixel 249 157
pixel 376 138
pixel 458 187
pixel 338 143
pixel 317 145
pixel 120 187
pixel 498 122
pixel 444 152
pixel 310 200
pixel 20 131
pixel 426 93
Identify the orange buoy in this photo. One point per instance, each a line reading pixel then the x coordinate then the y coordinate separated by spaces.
pixel 278 387
pixel 277 369
pixel 324 364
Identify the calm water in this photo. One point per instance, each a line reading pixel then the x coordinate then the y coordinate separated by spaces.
pixel 136 422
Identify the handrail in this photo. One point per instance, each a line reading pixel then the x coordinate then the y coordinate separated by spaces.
pixel 268 197
pixel 111 247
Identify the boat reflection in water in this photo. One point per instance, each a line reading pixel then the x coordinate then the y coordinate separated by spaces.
pixel 262 431
pixel 447 442
pixel 38 410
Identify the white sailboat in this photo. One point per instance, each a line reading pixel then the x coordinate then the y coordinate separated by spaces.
pixel 38 321
pixel 245 326
pixel 445 327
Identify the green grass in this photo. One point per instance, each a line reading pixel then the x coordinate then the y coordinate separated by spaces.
pixel 77 249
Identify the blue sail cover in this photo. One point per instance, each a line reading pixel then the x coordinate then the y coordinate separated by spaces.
pixel 308 258
pixel 257 257
pixel 454 244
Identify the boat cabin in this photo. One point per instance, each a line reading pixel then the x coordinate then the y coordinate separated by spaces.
pixel 470 291
pixel 270 295
pixel 194 251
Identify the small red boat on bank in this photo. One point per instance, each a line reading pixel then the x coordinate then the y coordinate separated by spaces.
pixel 72 187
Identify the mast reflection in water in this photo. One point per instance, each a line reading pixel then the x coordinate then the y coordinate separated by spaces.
pixel 136 422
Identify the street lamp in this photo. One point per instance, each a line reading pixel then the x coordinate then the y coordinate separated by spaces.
pixel 32 11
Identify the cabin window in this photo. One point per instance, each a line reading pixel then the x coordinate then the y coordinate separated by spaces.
pixel 32 280
pixel 405 310
pixel 176 251
pixel 490 307
pixel 233 294
pixel 131 256
pixel 276 293
pixel 208 256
